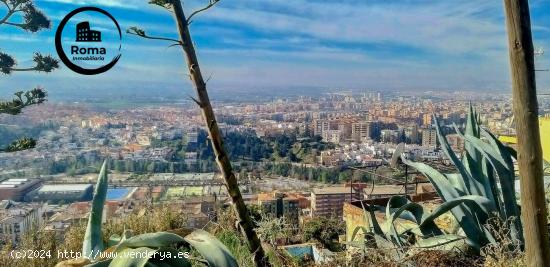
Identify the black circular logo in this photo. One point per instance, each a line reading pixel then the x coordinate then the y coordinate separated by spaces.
pixel 89 48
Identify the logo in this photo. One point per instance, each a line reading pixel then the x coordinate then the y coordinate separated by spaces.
pixel 85 34
pixel 88 40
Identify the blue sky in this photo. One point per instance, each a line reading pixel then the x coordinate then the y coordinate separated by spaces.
pixel 266 45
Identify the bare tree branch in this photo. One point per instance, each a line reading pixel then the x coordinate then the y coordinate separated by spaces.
pixel 172 45
pixel 209 77
pixel 141 33
pixel 211 3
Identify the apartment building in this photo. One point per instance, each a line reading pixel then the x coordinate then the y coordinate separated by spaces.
pixel 429 138
pixel 360 131
pixel 329 201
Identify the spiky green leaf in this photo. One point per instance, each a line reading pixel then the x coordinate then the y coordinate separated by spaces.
pixel 151 240
pixel 93 242
pixel 130 257
pixel 215 253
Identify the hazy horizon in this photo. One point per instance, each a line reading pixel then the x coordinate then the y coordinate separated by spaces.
pixel 280 47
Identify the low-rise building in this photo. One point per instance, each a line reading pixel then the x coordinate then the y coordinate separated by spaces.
pixel 17 218
pixel 279 205
pixel 61 193
pixel 16 189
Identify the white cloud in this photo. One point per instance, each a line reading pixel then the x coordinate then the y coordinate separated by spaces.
pixel 450 27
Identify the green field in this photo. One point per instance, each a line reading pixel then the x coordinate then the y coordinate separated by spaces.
pixel 193 190
pixel 174 193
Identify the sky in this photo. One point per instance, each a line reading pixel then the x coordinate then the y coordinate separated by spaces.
pixel 265 46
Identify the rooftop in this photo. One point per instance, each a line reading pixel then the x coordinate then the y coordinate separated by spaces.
pixel 331 190
pixel 385 190
pixel 64 187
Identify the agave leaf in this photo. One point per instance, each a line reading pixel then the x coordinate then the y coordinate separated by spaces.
pixel 171 258
pixel 472 126
pixel 215 253
pixel 356 231
pixel 506 176
pixel 466 178
pixel 374 223
pixel 489 172
pixel 429 228
pixel 130 257
pixel 93 242
pixel 454 179
pixel 151 240
pixel 395 157
pixel 483 204
pixel 116 240
pixel 481 172
pixel 447 192
pixel 472 129
pixel 514 153
pixel 368 238
pixel 444 188
pixel 442 242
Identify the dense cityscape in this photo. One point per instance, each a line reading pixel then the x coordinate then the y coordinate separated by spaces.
pixel 292 155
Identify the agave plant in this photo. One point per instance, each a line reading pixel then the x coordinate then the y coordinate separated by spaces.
pixel 485 171
pixel 421 230
pixel 482 188
pixel 151 249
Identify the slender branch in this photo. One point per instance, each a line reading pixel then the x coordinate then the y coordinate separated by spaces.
pixel 25 69
pixel 209 77
pixel 6 17
pixel 156 38
pixel 180 44
pixel 6 4
pixel 11 11
pixel 210 4
pixel 14 24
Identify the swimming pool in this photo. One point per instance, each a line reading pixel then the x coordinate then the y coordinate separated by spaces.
pixel 118 193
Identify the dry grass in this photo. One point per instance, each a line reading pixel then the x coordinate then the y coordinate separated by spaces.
pixel 148 220
pixel 505 253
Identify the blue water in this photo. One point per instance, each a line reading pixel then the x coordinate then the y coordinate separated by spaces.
pixel 300 251
pixel 117 193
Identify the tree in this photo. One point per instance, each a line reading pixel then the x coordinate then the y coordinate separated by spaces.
pixel 522 68
pixel 325 231
pixel 24 15
pixel 271 229
pixel 186 43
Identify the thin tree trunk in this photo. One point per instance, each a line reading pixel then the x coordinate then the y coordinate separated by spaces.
pixel 522 67
pixel 216 138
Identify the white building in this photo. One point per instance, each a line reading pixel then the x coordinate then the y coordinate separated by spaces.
pixel 18 218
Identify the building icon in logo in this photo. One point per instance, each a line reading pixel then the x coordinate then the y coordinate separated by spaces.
pixel 84 34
